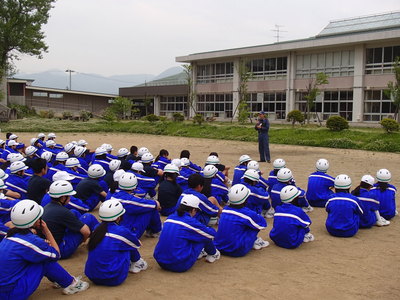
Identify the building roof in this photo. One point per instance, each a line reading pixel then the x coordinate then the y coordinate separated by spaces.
pixel 177 79
pixel 45 89
pixel 365 23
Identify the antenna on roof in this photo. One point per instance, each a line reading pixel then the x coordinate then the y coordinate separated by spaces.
pixel 278 31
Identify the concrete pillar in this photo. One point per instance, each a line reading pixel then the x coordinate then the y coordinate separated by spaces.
pixel 291 76
pixel 156 105
pixel 191 109
pixel 235 87
pixel 358 84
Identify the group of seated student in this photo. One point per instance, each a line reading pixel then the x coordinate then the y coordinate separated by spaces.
pixel 48 191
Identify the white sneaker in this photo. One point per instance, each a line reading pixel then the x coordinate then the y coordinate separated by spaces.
pixel 309 237
pixel 212 258
pixel 150 234
pixel 270 213
pixel 260 243
pixel 76 286
pixel 213 221
pixel 138 266
pixel 307 209
pixel 202 254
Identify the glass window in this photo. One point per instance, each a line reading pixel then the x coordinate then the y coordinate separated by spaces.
pixel 257 65
pixel 370 56
pixel 377 55
pixel 39 94
pixel 388 54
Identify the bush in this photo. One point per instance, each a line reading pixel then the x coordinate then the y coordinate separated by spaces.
pixel 390 125
pixel 46 114
pixel 85 115
pixel 109 115
pixel 337 123
pixel 152 118
pixel 295 116
pixel 67 115
pixel 163 118
pixel 198 119
pixel 50 114
pixel 178 117
pixel 23 110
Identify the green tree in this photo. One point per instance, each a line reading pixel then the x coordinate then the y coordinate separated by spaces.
pixel 122 106
pixel 394 88
pixel 243 108
pixel 191 91
pixel 312 91
pixel 295 116
pixel 21 32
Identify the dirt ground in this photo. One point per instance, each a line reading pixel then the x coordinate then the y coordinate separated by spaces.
pixel 366 266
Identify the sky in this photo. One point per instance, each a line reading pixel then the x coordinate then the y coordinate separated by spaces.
pixel 117 37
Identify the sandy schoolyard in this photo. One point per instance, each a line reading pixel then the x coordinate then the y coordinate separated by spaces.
pixel 366 266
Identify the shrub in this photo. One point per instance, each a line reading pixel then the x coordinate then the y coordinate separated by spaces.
pixel 243 112
pixel 163 118
pixel 46 114
pixel 67 115
pixel 178 117
pixel 390 125
pixel 337 123
pixel 198 119
pixel 152 118
pixel 23 110
pixel 50 114
pixel 109 115
pixel 295 116
pixel 85 115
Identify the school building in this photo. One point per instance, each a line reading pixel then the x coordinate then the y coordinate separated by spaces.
pixel 357 54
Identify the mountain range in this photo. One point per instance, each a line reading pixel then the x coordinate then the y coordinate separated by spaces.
pixel 95 83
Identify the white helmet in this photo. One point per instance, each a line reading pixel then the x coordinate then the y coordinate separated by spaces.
pixel 284 175
pixel 25 213
pixel 30 150
pixel 279 163
pixel 51 135
pixel 111 210
pixel 100 151
pixel 12 143
pixel 117 174
pixel 212 160
pixel 147 157
pixel 41 135
pixel 68 147
pixel 2 184
pixel 142 151
pixel 2 142
pixel 13 137
pixel 209 171
pixel 82 143
pixel 3 175
pixel 171 168
pixel 17 166
pixel 33 141
pixel 50 143
pixel 289 193
pixel 185 161
pixel 383 175
pixel 342 182
pixel 123 152
pixel 253 165
pixel 244 158
pixel 177 162
pixel 62 175
pixel 190 200
pixel 72 162
pixel 108 147
pixel 16 157
pixel 47 155
pixel 322 165
pixel 79 150
pixel 61 188
pixel 114 165
pixel 62 156
pixel 368 179
pixel 74 142
pixel 238 194
pixel 252 175
pixel 96 171
pixel 127 181
pixel 137 166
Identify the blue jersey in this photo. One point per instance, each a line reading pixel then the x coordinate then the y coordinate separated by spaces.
pixel 109 262
pixel 238 174
pixel 181 242
pixel 183 177
pixel 272 179
pixel 161 163
pixel 18 184
pixel 344 212
pixel 195 167
pixel 148 184
pixel 237 230
pixel 319 188
pixel 262 183
pixel 276 198
pixel 369 205
pixel 3 231
pixel 219 190
pixel 102 162
pixel 74 203
pixel 5 209
pixel 258 199
pixel 54 169
pixel 290 226
pixel 387 200
pixel 207 208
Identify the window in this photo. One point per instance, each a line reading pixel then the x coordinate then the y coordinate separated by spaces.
pixel 268 68
pixel 39 94
pixel 272 102
pixel 56 96
pixel 380 60
pixel 377 105
pixel 172 104
pixel 215 105
pixel 211 73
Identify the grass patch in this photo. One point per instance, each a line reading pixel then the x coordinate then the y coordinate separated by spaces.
pixel 372 139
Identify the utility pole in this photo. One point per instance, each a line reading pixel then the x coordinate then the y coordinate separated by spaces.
pixel 278 31
pixel 70 71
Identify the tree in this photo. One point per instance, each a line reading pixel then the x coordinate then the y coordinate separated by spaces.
pixel 21 30
pixel 191 92
pixel 295 116
pixel 243 107
pixel 122 106
pixel 394 88
pixel 312 93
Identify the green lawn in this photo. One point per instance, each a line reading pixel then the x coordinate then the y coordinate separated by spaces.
pixel 374 139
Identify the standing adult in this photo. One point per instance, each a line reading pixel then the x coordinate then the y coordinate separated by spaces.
pixel 262 127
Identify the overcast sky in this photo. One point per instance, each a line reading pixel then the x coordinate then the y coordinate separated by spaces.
pixel 115 37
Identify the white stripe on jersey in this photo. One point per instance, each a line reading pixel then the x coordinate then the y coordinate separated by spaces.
pixel 236 213
pixel 322 176
pixel 220 187
pixel 16 187
pixel 199 231
pixel 345 199
pixel 32 246
pixel 369 200
pixel 78 206
pixel 259 196
pixel 134 203
pixel 292 216
pixel 123 239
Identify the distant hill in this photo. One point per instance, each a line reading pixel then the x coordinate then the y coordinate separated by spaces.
pixel 92 82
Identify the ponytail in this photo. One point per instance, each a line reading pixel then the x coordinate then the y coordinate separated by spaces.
pixel 97 236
